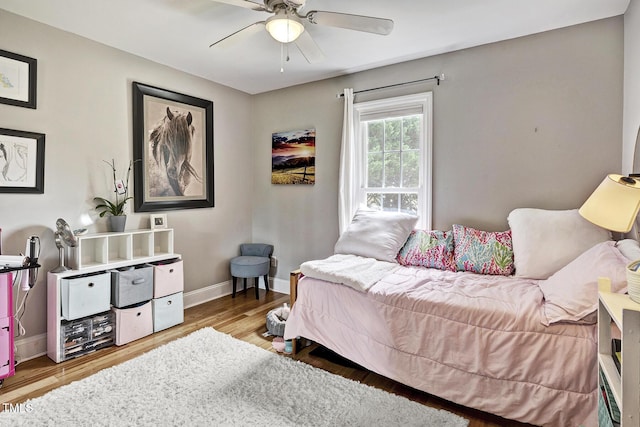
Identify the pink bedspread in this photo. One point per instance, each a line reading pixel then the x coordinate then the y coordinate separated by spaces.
pixel 472 339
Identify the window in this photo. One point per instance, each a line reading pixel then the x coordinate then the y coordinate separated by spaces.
pixel 393 139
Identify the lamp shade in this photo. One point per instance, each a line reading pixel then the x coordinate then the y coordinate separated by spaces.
pixel 284 27
pixel 614 204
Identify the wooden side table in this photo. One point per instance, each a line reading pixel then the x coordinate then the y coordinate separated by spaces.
pixel 294 276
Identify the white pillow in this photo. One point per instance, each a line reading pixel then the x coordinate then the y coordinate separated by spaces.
pixel 630 248
pixel 376 234
pixel 572 292
pixel 545 241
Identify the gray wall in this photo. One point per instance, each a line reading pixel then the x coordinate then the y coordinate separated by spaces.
pixel 84 108
pixel 535 121
pixel 530 122
pixel 631 116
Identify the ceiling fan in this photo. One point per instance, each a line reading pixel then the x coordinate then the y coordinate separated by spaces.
pixel 287 24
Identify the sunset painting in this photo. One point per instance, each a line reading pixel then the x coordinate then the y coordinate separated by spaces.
pixel 293 157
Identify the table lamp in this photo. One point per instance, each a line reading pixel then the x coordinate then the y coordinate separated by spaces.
pixel 614 204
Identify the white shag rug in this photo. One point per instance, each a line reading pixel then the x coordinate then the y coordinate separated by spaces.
pixel 212 379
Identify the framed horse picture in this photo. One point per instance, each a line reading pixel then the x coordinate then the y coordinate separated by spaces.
pixel 173 139
pixel 21 162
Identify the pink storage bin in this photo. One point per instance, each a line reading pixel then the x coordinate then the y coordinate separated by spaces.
pixel 133 323
pixel 168 279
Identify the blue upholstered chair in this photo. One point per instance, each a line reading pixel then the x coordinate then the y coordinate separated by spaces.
pixel 254 261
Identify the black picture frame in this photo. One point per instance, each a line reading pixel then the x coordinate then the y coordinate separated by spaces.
pixel 16 72
pixel 21 162
pixel 158 184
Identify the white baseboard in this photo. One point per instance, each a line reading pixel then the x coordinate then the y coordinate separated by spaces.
pixel 208 293
pixel 30 347
pixel 36 346
pixel 280 285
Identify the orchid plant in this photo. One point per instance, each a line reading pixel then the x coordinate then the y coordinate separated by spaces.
pixel 121 188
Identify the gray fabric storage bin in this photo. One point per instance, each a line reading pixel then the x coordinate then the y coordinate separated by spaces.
pixel 131 285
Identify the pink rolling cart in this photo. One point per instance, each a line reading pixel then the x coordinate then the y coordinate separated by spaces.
pixel 7 364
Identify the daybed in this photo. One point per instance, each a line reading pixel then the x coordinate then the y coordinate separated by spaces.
pixel 500 322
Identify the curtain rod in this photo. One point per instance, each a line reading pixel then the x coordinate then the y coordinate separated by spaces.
pixel 437 78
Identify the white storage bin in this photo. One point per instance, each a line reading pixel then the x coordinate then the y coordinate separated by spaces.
pixel 133 323
pixel 131 285
pixel 85 295
pixel 167 311
pixel 167 279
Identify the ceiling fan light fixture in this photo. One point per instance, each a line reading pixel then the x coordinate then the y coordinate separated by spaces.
pixel 284 27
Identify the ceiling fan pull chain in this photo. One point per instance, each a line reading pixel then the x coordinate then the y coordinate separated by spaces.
pixel 282 57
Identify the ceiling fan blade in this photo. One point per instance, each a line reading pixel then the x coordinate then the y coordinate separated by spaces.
pixel 247 4
pixel 367 24
pixel 246 32
pixel 309 48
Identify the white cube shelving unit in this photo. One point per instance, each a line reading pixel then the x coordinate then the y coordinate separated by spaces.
pixel 98 253
pixel 112 249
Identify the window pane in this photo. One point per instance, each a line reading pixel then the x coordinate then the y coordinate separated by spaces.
pixel 410 168
pixel 391 170
pixel 375 170
pixel 409 203
pixel 374 201
pixel 376 135
pixel 411 133
pixel 390 202
pixel 404 202
pixel 392 134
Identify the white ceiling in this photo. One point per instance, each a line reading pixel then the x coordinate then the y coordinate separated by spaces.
pixel 178 32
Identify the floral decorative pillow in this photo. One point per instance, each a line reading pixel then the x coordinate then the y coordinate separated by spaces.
pixel 432 249
pixel 483 252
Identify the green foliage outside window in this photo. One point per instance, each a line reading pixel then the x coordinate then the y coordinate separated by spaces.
pixel 393 161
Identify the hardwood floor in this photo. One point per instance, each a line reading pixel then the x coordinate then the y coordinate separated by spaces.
pixel 242 317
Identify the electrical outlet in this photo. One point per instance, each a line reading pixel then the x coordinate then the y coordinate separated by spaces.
pixel 274 262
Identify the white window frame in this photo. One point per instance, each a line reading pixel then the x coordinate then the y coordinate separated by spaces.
pixel 421 101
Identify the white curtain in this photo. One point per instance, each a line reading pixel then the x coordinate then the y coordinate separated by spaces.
pixel 347 166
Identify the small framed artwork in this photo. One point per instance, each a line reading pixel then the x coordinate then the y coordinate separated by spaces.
pixel 158 221
pixel 21 162
pixel 173 139
pixel 293 157
pixel 17 79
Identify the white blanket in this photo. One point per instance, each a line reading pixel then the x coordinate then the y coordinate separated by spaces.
pixel 350 270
